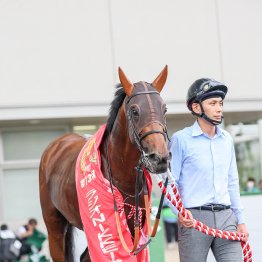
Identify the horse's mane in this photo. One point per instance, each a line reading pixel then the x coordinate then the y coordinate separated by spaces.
pixel 114 108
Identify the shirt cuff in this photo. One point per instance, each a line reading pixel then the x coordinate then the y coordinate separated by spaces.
pixel 240 218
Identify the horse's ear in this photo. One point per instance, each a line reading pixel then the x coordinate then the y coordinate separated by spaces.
pixel 160 81
pixel 127 85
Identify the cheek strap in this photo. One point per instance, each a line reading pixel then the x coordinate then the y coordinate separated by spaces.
pixel 204 116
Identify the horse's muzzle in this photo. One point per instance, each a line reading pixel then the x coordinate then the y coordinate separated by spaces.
pixel 158 164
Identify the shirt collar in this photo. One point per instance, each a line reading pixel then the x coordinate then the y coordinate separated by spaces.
pixel 197 131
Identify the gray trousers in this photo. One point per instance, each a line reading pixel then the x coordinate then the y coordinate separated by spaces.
pixel 194 245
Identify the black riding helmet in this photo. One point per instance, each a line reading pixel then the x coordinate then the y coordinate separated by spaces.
pixel 202 89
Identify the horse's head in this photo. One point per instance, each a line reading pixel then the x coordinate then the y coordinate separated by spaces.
pixel 146 118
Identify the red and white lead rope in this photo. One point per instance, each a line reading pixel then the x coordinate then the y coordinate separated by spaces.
pixel 177 202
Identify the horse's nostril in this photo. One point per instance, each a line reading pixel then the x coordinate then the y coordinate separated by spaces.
pixel 158 159
pixel 154 158
pixel 158 163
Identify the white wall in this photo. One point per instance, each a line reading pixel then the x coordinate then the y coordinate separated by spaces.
pixel 241 41
pixel 67 52
pixel 54 52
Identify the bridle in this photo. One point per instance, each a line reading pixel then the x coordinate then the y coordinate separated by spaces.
pixel 142 165
pixel 137 137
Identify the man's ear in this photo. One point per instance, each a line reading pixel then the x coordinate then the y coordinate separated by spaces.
pixel 196 108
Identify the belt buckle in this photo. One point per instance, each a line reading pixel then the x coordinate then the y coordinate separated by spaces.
pixel 215 208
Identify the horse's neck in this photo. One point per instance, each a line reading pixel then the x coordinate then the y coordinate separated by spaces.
pixel 122 151
pixel 123 156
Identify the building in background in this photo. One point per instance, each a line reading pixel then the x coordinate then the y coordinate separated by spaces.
pixel 58 69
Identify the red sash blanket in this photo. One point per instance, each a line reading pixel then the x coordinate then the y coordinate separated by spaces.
pixel 96 208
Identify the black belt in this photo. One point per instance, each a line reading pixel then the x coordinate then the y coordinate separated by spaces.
pixel 215 207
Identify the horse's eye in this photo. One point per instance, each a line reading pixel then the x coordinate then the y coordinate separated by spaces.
pixel 165 109
pixel 135 112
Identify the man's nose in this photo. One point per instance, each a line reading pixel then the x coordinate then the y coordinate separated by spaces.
pixel 219 108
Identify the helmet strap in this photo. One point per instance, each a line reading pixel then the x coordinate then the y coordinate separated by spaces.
pixel 204 116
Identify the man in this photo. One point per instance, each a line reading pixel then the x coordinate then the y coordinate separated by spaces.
pixel 24 232
pixel 170 224
pixel 251 185
pixel 204 167
pixel 9 245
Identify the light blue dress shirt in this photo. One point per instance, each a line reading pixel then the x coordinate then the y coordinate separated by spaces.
pixel 205 169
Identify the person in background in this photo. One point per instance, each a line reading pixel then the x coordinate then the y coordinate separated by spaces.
pixel 170 224
pixel 32 240
pixel 9 246
pixel 260 185
pixel 204 168
pixel 251 185
pixel 23 233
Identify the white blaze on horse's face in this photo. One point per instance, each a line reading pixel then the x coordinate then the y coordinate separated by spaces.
pixel 146 119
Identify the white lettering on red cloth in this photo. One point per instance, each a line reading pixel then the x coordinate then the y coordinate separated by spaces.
pixel 96 207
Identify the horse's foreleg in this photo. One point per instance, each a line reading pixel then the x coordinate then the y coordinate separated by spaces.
pixel 56 227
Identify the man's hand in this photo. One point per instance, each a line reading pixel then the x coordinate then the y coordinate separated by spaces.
pixel 186 222
pixel 241 228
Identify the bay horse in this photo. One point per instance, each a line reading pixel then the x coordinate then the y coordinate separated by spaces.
pixel 135 130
